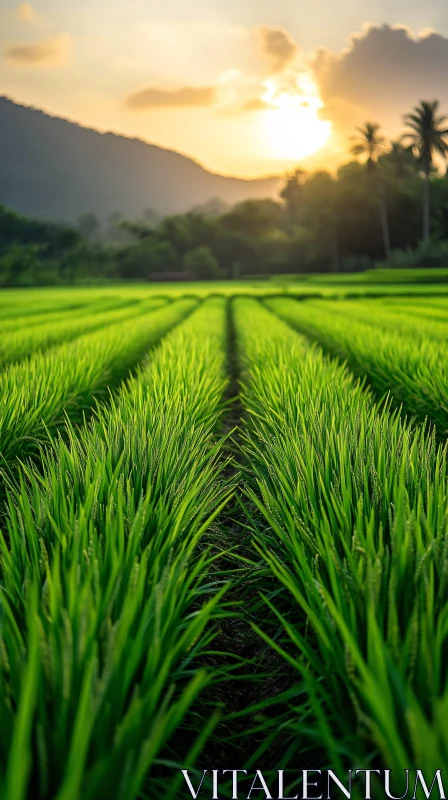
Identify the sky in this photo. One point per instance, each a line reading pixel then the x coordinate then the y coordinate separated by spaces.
pixel 246 87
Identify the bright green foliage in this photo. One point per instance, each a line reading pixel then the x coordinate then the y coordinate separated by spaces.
pixel 35 393
pixel 25 340
pixel 109 592
pixel 410 321
pixel 27 307
pixel 350 517
pixel 25 303
pixel 414 370
pixel 19 320
pixel 106 592
pixel 332 285
pixel 419 308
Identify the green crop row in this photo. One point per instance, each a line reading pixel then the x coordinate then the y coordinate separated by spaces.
pixel 336 547
pixel 13 310
pixel 35 393
pixel 348 513
pixel 23 341
pixel 413 370
pixel 106 587
pixel 19 321
pixel 408 321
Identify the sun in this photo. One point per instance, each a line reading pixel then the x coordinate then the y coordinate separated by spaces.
pixel 292 126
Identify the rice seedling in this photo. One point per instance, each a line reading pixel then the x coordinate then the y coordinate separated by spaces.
pixel 414 371
pixel 21 320
pixel 110 597
pixel 348 509
pixel 418 308
pixel 107 594
pixel 23 341
pixel 30 308
pixel 37 392
pixel 423 302
pixel 407 321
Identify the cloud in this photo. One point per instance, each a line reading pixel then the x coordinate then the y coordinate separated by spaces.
pixel 171 98
pixel 26 13
pixel 14 20
pixel 254 104
pixel 53 50
pixel 278 46
pixel 382 74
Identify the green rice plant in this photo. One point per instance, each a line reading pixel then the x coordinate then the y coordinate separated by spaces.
pixel 408 321
pixel 30 308
pixel 424 312
pixel 107 593
pixel 430 308
pixel 23 341
pixel 37 392
pixel 20 320
pixel 348 509
pixel 413 370
pixel 15 304
pixel 422 302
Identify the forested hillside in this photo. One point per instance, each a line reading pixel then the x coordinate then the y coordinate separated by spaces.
pixel 54 169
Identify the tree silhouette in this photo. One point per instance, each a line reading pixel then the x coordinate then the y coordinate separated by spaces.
pixel 292 192
pixel 89 225
pixel 427 136
pixel 369 142
pixel 400 161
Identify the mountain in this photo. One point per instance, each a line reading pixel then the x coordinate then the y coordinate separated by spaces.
pixel 51 168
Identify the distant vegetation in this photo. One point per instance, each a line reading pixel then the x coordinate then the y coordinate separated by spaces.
pixel 33 252
pixel 391 210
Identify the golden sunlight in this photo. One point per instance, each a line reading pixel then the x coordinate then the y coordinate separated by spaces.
pixel 292 125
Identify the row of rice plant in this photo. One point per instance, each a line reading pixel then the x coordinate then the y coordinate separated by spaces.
pixel 24 340
pixel 348 509
pixel 413 370
pixel 36 392
pixel 419 308
pixel 10 308
pixel 19 321
pixel 106 586
pixel 407 322
pixel 435 303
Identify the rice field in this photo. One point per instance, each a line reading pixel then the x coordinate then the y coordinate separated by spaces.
pixel 223 538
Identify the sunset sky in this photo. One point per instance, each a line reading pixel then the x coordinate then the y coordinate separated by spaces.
pixel 246 87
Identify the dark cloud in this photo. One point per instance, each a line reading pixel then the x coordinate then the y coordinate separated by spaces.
pixel 172 98
pixel 49 51
pixel 384 72
pixel 278 46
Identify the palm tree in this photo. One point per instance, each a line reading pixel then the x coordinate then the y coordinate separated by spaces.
pixel 369 142
pixel 427 136
pixel 400 160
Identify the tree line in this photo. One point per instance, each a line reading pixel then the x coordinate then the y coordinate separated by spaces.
pixel 388 206
pixel 424 139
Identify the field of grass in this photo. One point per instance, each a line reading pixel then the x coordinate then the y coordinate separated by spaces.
pixel 371 283
pixel 223 535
